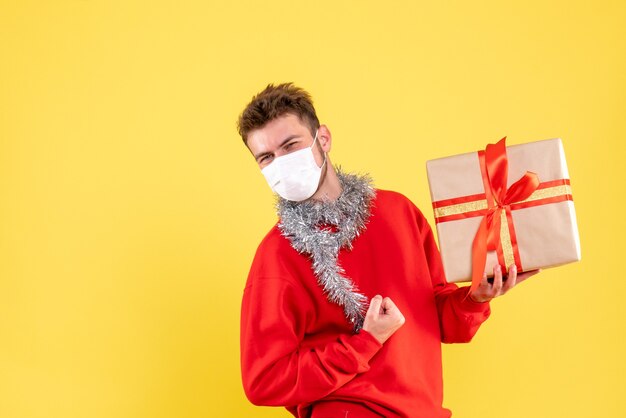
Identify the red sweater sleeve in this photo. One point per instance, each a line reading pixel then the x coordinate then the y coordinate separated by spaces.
pixel 275 369
pixel 459 317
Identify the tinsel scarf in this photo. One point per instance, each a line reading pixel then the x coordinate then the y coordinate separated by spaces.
pixel 306 223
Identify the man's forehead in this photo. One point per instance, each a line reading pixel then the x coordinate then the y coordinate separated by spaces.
pixel 276 131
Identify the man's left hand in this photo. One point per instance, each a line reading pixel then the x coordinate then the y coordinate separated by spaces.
pixel 487 291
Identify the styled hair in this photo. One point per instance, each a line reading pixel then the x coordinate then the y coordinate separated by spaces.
pixel 275 101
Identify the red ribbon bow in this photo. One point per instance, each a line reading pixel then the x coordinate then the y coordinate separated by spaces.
pixel 499 198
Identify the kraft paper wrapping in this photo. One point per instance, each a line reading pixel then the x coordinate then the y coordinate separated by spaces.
pixel 547 235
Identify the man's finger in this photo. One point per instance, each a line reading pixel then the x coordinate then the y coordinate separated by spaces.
pixel 388 305
pixel 484 283
pixel 497 280
pixel 375 305
pixel 393 311
pixel 511 279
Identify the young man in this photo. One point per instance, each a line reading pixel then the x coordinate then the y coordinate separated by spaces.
pixel 346 303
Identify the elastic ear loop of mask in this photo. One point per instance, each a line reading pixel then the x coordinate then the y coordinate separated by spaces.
pixel 315 139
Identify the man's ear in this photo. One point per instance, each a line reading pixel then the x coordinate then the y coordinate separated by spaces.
pixel 324 137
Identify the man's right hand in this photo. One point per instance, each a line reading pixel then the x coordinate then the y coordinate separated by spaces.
pixel 383 318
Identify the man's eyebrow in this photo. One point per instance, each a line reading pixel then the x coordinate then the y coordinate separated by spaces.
pixel 289 138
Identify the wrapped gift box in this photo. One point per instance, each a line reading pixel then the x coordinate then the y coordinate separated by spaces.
pixel 477 203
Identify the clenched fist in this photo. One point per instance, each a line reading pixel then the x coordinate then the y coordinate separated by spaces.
pixel 383 318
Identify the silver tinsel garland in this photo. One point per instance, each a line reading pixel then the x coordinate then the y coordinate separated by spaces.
pixel 303 224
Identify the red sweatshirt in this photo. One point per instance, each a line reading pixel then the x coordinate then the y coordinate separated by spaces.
pixel 298 348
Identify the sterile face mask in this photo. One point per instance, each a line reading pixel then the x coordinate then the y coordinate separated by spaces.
pixel 294 176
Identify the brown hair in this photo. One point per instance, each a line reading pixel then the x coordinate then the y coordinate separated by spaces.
pixel 275 101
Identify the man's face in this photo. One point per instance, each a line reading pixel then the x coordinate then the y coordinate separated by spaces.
pixel 284 135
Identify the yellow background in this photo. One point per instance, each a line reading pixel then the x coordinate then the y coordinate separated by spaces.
pixel 130 210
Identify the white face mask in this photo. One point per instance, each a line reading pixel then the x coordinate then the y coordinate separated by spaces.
pixel 295 176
